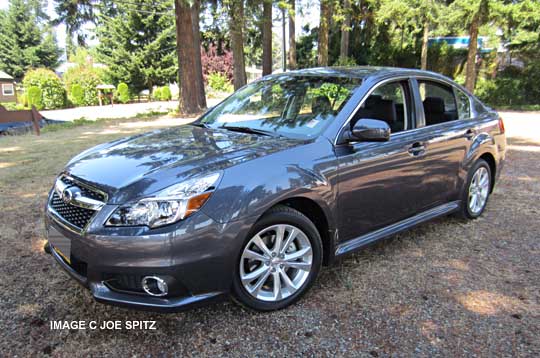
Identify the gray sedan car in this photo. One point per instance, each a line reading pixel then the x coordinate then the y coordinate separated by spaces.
pixel 286 175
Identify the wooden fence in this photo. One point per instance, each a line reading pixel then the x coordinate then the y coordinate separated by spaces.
pixel 29 115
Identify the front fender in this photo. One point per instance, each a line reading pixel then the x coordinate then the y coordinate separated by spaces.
pixel 251 188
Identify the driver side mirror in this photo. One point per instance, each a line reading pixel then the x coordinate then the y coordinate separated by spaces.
pixel 370 130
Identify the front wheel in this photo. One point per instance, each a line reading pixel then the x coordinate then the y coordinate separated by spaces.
pixel 279 261
pixel 476 194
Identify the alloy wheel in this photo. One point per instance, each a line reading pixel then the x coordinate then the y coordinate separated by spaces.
pixel 276 262
pixel 479 190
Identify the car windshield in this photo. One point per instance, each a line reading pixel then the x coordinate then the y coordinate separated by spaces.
pixel 288 105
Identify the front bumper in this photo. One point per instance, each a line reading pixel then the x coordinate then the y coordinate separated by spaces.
pixel 198 254
pixel 102 293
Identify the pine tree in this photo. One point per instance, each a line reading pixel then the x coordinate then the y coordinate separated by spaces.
pixel 137 43
pixel 192 98
pixel 324 23
pixel 292 34
pixel 267 37
pixel 471 14
pixel 26 40
pixel 236 29
pixel 74 14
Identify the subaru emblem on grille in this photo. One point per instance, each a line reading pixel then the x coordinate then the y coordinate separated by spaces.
pixel 69 193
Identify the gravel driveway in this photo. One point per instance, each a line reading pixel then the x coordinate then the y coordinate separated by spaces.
pixel 116 111
pixel 446 288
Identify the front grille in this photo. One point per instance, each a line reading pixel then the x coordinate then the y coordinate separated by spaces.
pixel 75 215
pixel 89 193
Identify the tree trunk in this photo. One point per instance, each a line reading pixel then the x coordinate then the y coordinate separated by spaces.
pixel 425 37
pixel 195 12
pixel 292 35
pixel 267 37
pixel 323 34
pixel 345 30
pixel 187 63
pixel 236 25
pixel 470 70
pixel 70 46
pixel 478 19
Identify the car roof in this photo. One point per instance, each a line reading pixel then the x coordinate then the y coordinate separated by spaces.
pixel 361 72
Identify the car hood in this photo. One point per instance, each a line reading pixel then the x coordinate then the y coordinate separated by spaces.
pixel 134 167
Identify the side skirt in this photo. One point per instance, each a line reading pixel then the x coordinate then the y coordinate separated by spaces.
pixel 364 240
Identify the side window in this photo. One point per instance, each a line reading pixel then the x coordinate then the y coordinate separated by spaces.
pixel 387 103
pixel 439 102
pixel 463 105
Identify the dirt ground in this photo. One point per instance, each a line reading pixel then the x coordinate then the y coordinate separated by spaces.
pixel 446 288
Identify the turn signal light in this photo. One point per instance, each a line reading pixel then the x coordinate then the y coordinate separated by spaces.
pixel 196 202
pixel 501 125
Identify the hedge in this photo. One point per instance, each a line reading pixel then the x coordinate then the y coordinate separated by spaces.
pixel 53 94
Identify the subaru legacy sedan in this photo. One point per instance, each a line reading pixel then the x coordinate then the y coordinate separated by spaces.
pixel 289 173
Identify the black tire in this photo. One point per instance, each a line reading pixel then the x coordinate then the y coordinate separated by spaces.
pixel 465 211
pixel 276 216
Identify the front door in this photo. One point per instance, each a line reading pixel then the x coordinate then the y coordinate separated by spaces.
pixel 381 182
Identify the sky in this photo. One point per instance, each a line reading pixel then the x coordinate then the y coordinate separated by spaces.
pixel 309 15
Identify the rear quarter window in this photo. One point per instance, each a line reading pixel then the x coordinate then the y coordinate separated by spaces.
pixel 478 107
pixel 463 104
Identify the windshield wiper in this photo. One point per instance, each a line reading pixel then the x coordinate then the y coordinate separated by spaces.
pixel 200 124
pixel 251 130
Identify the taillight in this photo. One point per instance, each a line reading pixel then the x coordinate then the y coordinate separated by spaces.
pixel 501 125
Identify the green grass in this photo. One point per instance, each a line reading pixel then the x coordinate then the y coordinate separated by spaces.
pixel 150 114
pixel 66 125
pixel 12 106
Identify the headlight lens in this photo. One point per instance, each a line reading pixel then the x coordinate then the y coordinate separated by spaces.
pixel 168 206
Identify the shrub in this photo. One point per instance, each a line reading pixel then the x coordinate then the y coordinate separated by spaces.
pixel 512 87
pixel 213 62
pixel 53 94
pixel 23 100
pixel 345 61
pixel 77 94
pixel 10 106
pixel 35 97
pixel 219 82
pixel 156 94
pixel 123 92
pixel 87 78
pixel 165 93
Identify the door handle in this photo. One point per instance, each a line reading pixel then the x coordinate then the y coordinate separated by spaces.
pixel 469 134
pixel 417 149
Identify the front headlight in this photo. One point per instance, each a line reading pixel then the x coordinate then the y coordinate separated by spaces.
pixel 168 206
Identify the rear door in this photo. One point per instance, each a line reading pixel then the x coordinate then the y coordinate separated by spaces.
pixel 445 131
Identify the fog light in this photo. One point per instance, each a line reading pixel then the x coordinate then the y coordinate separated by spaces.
pixel 154 286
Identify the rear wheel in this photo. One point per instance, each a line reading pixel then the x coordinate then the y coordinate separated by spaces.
pixel 476 194
pixel 279 261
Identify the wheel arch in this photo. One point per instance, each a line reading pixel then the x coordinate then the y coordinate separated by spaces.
pixel 314 211
pixel 483 147
pixel 490 159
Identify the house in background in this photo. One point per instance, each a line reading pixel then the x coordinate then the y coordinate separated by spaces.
pixel 7 88
pixel 460 42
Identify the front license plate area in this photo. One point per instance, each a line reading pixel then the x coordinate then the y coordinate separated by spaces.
pixel 60 244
